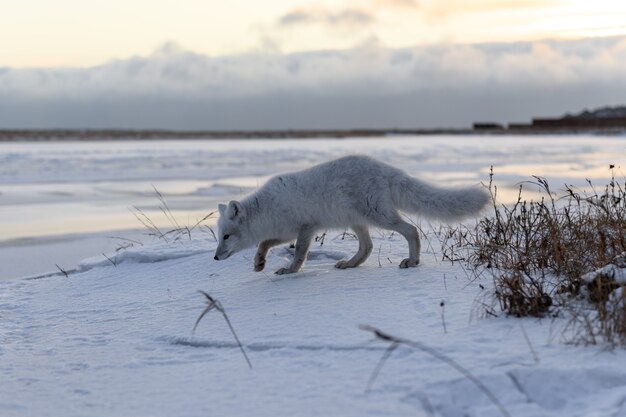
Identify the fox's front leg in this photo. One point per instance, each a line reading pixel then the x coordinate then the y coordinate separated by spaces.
pixel 302 249
pixel 261 253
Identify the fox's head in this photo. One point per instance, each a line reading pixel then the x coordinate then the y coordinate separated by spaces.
pixel 232 236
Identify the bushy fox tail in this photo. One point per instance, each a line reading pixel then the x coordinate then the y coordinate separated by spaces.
pixel 447 204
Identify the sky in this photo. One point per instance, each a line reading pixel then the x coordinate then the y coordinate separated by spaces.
pixel 192 64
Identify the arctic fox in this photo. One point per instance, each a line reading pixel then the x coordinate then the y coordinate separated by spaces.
pixel 355 192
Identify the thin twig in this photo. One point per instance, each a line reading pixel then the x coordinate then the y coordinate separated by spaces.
pixel 63 271
pixel 212 232
pixel 530 346
pixel 166 209
pixel 126 239
pixel 147 222
pixel 380 364
pixel 213 303
pixel 427 349
pixel 442 304
pixel 177 232
pixel 110 260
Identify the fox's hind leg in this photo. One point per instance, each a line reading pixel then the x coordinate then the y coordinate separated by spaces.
pixel 261 253
pixel 412 236
pixel 391 220
pixel 305 235
pixel 365 248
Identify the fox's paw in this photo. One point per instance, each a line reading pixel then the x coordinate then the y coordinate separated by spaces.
pixel 259 264
pixel 409 263
pixel 283 271
pixel 344 265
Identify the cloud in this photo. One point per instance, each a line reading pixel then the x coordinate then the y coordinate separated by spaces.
pixel 368 86
pixel 441 10
pixel 346 17
pixel 396 3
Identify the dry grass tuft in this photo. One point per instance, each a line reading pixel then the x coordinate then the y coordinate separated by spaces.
pixel 537 252
pixel 522 295
pixel 176 231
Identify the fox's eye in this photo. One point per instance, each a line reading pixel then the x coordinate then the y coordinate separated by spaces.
pixel 226 237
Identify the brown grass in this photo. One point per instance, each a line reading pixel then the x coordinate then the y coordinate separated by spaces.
pixel 176 231
pixel 537 252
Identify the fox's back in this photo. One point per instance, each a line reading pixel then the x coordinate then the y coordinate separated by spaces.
pixel 349 171
pixel 331 193
pixel 349 175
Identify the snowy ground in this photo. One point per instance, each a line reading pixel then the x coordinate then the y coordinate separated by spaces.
pixel 116 340
pixel 80 192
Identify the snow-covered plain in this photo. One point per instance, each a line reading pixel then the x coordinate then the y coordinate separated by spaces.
pixel 63 200
pixel 114 338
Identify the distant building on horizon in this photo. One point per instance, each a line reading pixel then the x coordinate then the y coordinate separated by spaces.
pixel 488 126
pixel 608 118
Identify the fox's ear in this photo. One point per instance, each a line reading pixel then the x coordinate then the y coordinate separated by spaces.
pixel 235 210
pixel 221 208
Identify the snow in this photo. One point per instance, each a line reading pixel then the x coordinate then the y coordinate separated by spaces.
pixel 114 338
pixel 38 255
pixel 81 189
pixel 614 271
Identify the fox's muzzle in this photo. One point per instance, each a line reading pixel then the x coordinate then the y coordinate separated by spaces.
pixel 221 256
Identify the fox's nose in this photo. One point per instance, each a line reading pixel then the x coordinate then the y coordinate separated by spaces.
pixel 216 258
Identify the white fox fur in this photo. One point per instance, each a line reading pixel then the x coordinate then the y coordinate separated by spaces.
pixel 351 192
